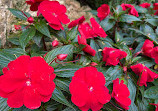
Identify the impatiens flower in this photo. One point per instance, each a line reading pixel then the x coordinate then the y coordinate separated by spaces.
pixel 34 4
pixel 76 22
pixel 145 5
pixel 88 89
pixel 55 43
pixel 130 8
pixel 147 47
pixel 156 105
pixel 88 32
pixel 154 54
pixel 54 13
pixel 17 27
pixel 144 73
pixel 112 56
pixel 103 11
pixel 155 6
pixel 87 48
pixel 121 94
pixel 62 57
pixel 27 81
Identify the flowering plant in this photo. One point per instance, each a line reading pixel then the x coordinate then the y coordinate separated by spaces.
pixel 108 63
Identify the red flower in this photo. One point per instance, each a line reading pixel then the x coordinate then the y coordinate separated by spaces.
pixel 146 74
pixel 54 13
pixel 112 56
pixel 88 32
pixel 17 27
pixel 55 43
pixel 87 48
pixel 27 81
pixel 156 13
pixel 155 6
pixel 76 22
pixel 147 47
pixel 103 11
pixel 88 89
pixel 131 11
pixel 154 54
pixel 156 105
pixel 34 4
pixel 121 93
pixel 145 5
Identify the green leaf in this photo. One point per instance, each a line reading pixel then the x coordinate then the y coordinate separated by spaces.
pixel 132 89
pixel 95 46
pixel 79 48
pixel 15 51
pixel 67 49
pixel 141 9
pixel 118 37
pixel 59 97
pixel 26 36
pixel 62 83
pixel 128 40
pixel 66 71
pixel 37 38
pixel 52 105
pixel 3 104
pixel 19 14
pixel 134 60
pixel 94 12
pixel 103 44
pixel 43 28
pixel 156 30
pixel 84 60
pixel 148 62
pixel 14 40
pixel 5 58
pixel 23 108
pixel 128 18
pixel 133 107
pixel 151 92
pixel 153 22
pixel 72 34
pixel 107 24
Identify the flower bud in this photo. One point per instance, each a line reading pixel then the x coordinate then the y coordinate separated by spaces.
pixel 30 19
pixel 125 69
pixel 17 27
pixel 93 64
pixel 62 57
pixel 55 43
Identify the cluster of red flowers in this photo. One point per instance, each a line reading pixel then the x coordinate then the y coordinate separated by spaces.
pixel 88 90
pixel 147 5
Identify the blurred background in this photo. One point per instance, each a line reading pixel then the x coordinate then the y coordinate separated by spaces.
pixel 74 7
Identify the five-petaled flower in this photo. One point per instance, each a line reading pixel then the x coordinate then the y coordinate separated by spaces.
pixel 76 22
pixel 130 8
pixel 144 73
pixel 34 4
pixel 88 32
pixel 154 54
pixel 121 94
pixel 27 81
pixel 145 5
pixel 103 11
pixel 112 56
pixel 54 13
pixel 147 47
pixel 87 48
pixel 88 89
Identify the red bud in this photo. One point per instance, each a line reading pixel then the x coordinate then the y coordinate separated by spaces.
pixel 30 20
pixel 17 27
pixel 55 43
pixel 125 69
pixel 62 57
pixel 93 64
pixel 130 48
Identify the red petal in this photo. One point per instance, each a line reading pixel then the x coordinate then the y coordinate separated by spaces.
pixel 64 18
pixel 89 50
pixel 34 7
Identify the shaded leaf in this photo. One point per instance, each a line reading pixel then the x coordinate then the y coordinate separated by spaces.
pixel 151 92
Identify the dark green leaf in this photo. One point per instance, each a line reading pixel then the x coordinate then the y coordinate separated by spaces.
pixel 37 38
pixel 67 49
pixel 19 14
pixel 59 97
pixel 15 51
pixel 156 30
pixel 26 36
pixel 141 9
pixel 153 22
pixel 103 44
pixel 94 12
pixel 128 40
pixel 147 61
pixel 3 104
pixel 118 37
pixel 72 34
pixel 107 24
pixel 66 71
pixel 52 105
pixel 62 83
pixel 133 107
pixel 14 40
pixel 79 48
pixel 128 18
pixel 132 89
pixel 151 92
pixel 43 28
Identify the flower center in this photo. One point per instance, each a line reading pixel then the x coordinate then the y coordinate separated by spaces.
pixel 54 14
pixel 28 83
pixel 91 89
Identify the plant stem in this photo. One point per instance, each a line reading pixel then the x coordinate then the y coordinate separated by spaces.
pixel 44 44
